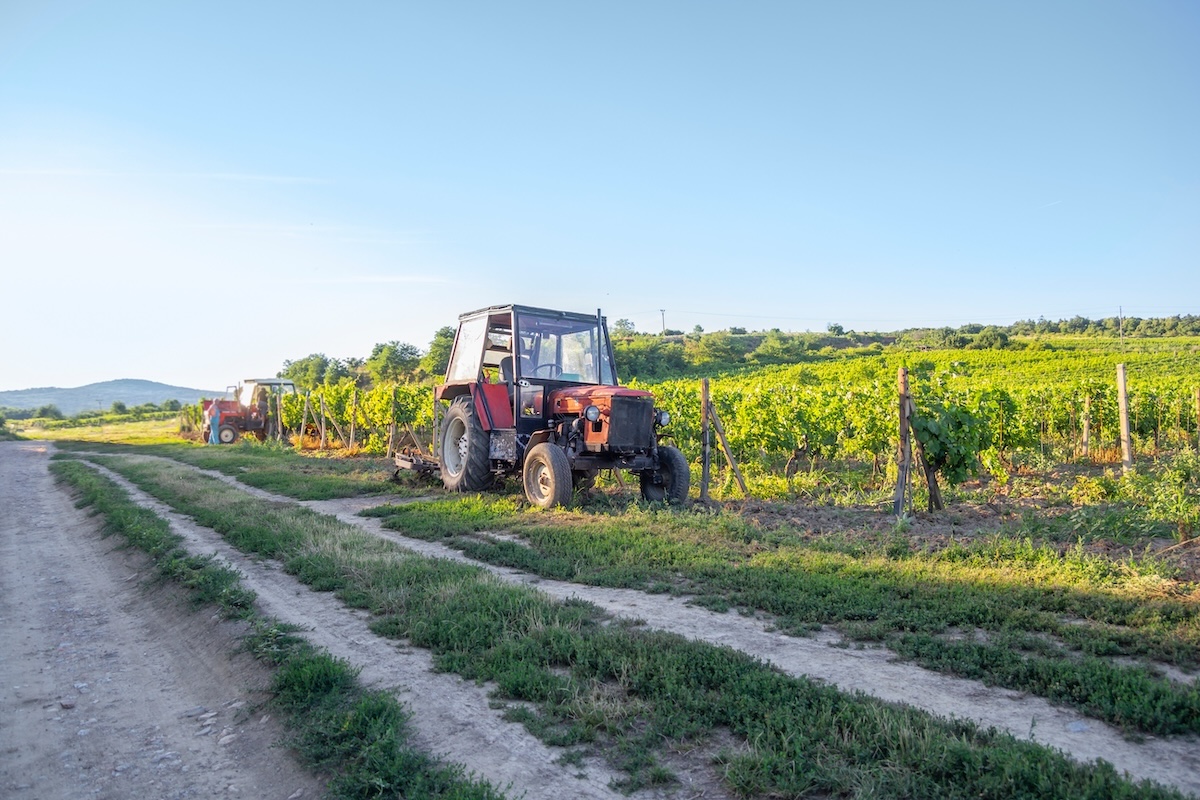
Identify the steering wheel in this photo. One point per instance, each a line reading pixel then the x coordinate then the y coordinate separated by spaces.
pixel 553 370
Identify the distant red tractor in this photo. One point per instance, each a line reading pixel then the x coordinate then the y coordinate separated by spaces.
pixel 250 407
pixel 535 392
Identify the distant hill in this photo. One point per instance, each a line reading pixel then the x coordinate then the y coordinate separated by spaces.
pixel 102 395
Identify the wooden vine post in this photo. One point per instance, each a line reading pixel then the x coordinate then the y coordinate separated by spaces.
pixel 340 433
pixel 1085 445
pixel 279 417
pixel 705 442
pixel 324 440
pixel 1196 397
pixel 1123 407
pixel 733 465
pixel 303 422
pixel 709 413
pixel 412 434
pixel 935 492
pixel 903 496
pixel 904 459
pixel 353 414
pixel 391 423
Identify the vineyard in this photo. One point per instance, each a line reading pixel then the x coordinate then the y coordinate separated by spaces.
pixel 834 419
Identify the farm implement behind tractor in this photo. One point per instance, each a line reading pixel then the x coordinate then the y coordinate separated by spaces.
pixel 534 392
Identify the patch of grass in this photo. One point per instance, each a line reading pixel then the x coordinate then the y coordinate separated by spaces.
pixel 207 581
pixel 873 590
pixel 145 432
pixel 1121 523
pixel 337 726
pixel 575 679
pixel 277 469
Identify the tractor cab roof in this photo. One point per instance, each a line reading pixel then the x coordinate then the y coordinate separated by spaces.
pixel 500 311
pixel 268 381
pixel 526 342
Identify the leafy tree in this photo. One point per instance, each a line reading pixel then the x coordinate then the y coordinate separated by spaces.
pixel 991 338
pixel 171 405
pixel 437 357
pixel 648 358
pixel 119 408
pixel 777 348
pixel 835 329
pixel 313 371
pixel 392 361
pixel 712 348
pixel 623 327
pixel 738 331
pixel 48 412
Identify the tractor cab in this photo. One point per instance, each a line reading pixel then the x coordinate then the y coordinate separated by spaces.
pixel 518 356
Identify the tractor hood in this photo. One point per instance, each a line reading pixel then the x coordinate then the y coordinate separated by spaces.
pixel 574 399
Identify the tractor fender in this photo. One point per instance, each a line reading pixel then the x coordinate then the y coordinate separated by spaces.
pixel 492 404
pixel 537 437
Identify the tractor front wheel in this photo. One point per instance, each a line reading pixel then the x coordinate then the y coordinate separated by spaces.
pixel 227 434
pixel 547 475
pixel 672 479
pixel 464 449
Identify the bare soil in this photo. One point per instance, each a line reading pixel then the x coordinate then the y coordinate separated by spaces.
pixel 111 687
pixel 452 717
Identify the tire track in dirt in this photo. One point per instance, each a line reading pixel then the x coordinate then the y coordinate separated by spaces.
pixel 451 717
pixel 110 687
pixel 873 670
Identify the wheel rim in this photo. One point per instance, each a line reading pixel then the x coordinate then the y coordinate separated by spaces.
pixel 540 480
pixel 454 451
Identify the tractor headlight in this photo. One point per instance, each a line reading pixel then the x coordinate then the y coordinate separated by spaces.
pixel 662 418
pixel 591 414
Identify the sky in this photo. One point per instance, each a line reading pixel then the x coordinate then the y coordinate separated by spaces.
pixel 194 193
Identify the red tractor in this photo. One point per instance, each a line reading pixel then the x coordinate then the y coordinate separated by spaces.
pixel 535 392
pixel 250 407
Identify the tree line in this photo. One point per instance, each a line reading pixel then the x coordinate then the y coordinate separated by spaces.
pixel 389 362
pixel 675 354
pixel 118 409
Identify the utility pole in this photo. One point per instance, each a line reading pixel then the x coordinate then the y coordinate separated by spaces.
pixel 663 311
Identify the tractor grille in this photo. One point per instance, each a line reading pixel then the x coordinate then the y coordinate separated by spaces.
pixel 631 424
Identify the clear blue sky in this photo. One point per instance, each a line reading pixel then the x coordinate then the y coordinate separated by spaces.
pixel 195 192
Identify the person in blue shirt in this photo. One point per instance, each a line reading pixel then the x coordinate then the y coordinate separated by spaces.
pixel 214 422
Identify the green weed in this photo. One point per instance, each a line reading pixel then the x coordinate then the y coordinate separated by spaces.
pixel 574 679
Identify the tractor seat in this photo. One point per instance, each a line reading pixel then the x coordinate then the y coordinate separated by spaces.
pixel 506 370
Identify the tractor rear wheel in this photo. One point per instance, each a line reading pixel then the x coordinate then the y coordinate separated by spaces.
pixel 671 481
pixel 227 434
pixel 464 450
pixel 547 475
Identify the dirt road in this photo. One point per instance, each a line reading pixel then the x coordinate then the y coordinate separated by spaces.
pixel 110 689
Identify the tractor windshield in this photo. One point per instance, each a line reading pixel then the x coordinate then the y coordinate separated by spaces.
pixel 554 348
